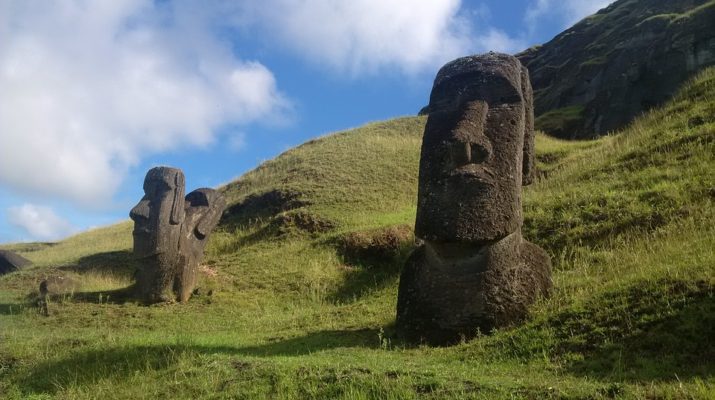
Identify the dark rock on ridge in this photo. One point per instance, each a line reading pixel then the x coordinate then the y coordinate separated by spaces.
pixel 598 75
pixel 11 261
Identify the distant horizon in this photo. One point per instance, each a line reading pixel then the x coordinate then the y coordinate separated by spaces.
pixel 93 95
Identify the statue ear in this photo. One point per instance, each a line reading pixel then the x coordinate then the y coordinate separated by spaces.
pixel 528 170
pixel 177 207
pixel 208 221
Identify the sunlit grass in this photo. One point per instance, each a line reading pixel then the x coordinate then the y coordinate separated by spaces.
pixel 626 218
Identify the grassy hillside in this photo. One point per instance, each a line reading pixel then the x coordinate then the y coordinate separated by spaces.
pixel 300 282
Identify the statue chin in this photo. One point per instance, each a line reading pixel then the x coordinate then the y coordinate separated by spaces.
pixel 143 246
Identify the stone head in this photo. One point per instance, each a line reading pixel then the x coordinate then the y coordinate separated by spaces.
pixel 477 150
pixel 160 213
pixel 203 212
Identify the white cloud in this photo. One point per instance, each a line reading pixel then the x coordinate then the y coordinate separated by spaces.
pixel 566 12
pixel 40 222
pixel 496 40
pixel 363 36
pixel 88 88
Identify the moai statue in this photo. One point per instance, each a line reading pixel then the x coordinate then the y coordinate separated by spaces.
pixel 157 229
pixel 170 234
pixel 474 271
pixel 203 211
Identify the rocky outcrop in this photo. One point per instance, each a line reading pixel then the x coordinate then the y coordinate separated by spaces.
pixel 11 261
pixel 598 75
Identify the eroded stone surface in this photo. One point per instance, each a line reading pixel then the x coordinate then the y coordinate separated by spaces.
pixel 474 271
pixel 170 233
pixel 203 211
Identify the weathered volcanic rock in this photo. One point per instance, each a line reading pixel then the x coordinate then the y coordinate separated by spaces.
pixel 598 75
pixel 170 233
pixel 474 271
pixel 11 261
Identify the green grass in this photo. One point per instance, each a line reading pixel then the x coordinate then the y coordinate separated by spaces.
pixel 562 121
pixel 694 11
pixel 627 220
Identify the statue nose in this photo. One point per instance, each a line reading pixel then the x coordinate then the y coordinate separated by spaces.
pixel 470 153
pixel 139 211
pixel 478 153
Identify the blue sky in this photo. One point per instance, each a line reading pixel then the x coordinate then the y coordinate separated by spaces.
pixel 94 93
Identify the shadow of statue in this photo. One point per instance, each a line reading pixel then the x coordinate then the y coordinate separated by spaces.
pixel 86 367
pixel 372 259
pixel 315 342
pixel 121 264
pixel 364 276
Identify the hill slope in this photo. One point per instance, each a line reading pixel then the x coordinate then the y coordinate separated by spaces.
pixel 303 273
pixel 598 75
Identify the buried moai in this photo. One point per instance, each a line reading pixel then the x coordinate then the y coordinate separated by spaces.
pixel 170 233
pixel 474 271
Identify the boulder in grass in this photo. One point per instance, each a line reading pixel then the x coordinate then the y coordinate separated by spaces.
pixel 11 261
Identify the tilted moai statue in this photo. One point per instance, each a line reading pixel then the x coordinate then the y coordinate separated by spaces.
pixel 203 211
pixel 170 233
pixel 474 271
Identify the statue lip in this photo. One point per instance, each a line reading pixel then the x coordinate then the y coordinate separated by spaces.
pixel 474 172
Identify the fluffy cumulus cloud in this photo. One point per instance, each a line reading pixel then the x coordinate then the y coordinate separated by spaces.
pixel 89 87
pixel 565 12
pixel 39 222
pixel 364 36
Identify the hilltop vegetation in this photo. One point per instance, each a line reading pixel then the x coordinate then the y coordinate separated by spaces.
pixel 300 282
pixel 599 74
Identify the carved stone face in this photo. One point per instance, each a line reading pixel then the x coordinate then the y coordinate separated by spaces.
pixel 472 151
pixel 203 211
pixel 159 214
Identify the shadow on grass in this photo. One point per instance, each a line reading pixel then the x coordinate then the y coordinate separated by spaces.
pixel 117 263
pixel 362 279
pixel 84 368
pixel 13 308
pixel 650 331
pixel 88 367
pixel 680 345
pixel 115 296
pixel 661 330
pixel 315 342
pixel 373 259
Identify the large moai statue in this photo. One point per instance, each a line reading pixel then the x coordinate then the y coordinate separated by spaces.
pixel 474 271
pixel 170 233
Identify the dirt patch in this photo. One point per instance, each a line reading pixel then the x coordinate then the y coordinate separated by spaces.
pixel 302 221
pixel 377 245
pixel 550 158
